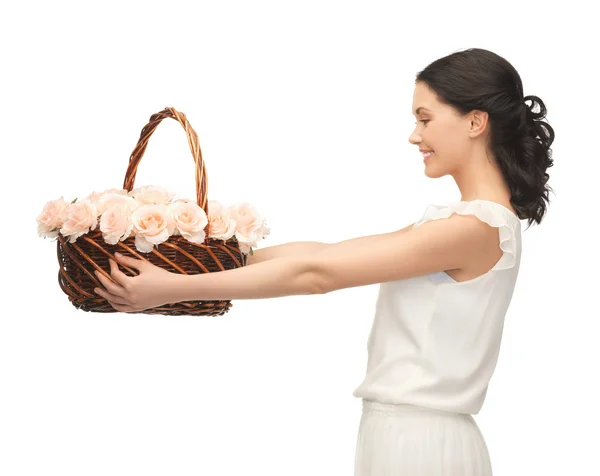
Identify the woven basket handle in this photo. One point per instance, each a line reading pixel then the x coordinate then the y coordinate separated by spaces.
pixel 140 148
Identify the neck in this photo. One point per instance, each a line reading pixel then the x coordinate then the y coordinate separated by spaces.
pixel 480 178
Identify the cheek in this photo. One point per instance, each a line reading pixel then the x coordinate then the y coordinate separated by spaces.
pixel 446 137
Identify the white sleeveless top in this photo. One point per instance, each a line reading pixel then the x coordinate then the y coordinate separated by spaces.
pixel 435 341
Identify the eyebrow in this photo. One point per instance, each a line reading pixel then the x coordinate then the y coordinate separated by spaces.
pixel 418 111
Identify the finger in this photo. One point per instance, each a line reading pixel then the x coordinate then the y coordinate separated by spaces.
pixel 120 277
pixel 110 286
pixel 111 298
pixel 138 264
pixel 122 308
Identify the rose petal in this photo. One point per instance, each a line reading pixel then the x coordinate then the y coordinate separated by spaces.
pixel 143 245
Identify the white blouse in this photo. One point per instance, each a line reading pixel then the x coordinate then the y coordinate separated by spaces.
pixel 435 341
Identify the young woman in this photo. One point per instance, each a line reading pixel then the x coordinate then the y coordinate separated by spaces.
pixel 446 281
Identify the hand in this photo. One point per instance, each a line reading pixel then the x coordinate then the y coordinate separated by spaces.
pixel 134 294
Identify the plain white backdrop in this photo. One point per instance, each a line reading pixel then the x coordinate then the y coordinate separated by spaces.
pixel 302 109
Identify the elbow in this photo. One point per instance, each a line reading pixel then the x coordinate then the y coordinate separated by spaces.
pixel 318 287
pixel 311 283
pixel 318 282
pixel 309 277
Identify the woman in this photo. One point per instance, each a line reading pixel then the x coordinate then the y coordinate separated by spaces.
pixel 446 281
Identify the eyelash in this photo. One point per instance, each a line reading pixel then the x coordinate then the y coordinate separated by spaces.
pixel 424 121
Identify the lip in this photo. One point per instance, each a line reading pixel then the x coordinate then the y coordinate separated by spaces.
pixel 425 159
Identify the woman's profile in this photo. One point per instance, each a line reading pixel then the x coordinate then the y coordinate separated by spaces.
pixel 445 281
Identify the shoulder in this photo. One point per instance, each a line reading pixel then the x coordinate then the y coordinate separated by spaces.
pixel 477 223
pixel 462 231
pixel 479 235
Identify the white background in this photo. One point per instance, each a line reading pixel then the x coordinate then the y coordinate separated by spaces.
pixel 303 109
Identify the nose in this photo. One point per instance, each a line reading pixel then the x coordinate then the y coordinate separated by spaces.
pixel 414 138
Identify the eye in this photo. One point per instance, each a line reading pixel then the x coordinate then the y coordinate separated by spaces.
pixel 424 121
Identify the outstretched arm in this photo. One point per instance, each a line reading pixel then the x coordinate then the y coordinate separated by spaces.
pixel 294 248
pixel 435 246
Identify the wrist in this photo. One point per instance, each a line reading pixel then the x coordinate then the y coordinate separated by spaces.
pixel 178 287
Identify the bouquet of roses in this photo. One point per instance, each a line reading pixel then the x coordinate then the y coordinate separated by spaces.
pixel 151 214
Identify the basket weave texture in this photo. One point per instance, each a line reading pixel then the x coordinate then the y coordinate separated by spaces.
pixel 90 252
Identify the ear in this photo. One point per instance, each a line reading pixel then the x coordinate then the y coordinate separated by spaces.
pixel 478 121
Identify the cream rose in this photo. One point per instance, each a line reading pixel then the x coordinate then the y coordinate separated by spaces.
pixel 265 230
pixel 151 194
pixel 110 200
pixel 118 191
pixel 97 198
pixel 222 225
pixel 93 197
pixel 244 248
pixel 52 217
pixel 260 234
pixel 250 226
pixel 151 226
pixel 152 215
pixel 116 223
pixel 189 220
pixel 81 218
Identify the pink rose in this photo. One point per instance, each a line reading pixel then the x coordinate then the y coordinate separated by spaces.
pixel 81 218
pixel 110 200
pixel 250 226
pixel 93 197
pixel 151 194
pixel 98 198
pixel 264 230
pixel 186 200
pixel 118 191
pixel 244 248
pixel 116 223
pixel 52 218
pixel 188 219
pixel 151 226
pixel 222 225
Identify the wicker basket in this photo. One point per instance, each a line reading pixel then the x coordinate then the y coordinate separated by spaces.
pixel 90 252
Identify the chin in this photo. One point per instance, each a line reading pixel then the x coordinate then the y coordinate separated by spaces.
pixel 435 169
pixel 432 172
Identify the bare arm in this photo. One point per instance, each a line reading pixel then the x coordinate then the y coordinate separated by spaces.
pixel 286 249
pixel 294 248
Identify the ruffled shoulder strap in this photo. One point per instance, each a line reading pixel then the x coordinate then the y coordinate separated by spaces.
pixel 492 213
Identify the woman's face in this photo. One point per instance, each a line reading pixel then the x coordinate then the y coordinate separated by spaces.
pixel 439 128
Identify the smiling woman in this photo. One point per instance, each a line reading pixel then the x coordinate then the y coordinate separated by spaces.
pixel 434 342
pixel 436 337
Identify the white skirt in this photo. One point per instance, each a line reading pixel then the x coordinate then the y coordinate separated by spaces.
pixel 409 440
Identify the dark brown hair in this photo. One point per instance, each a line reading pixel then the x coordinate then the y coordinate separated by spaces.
pixel 519 139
